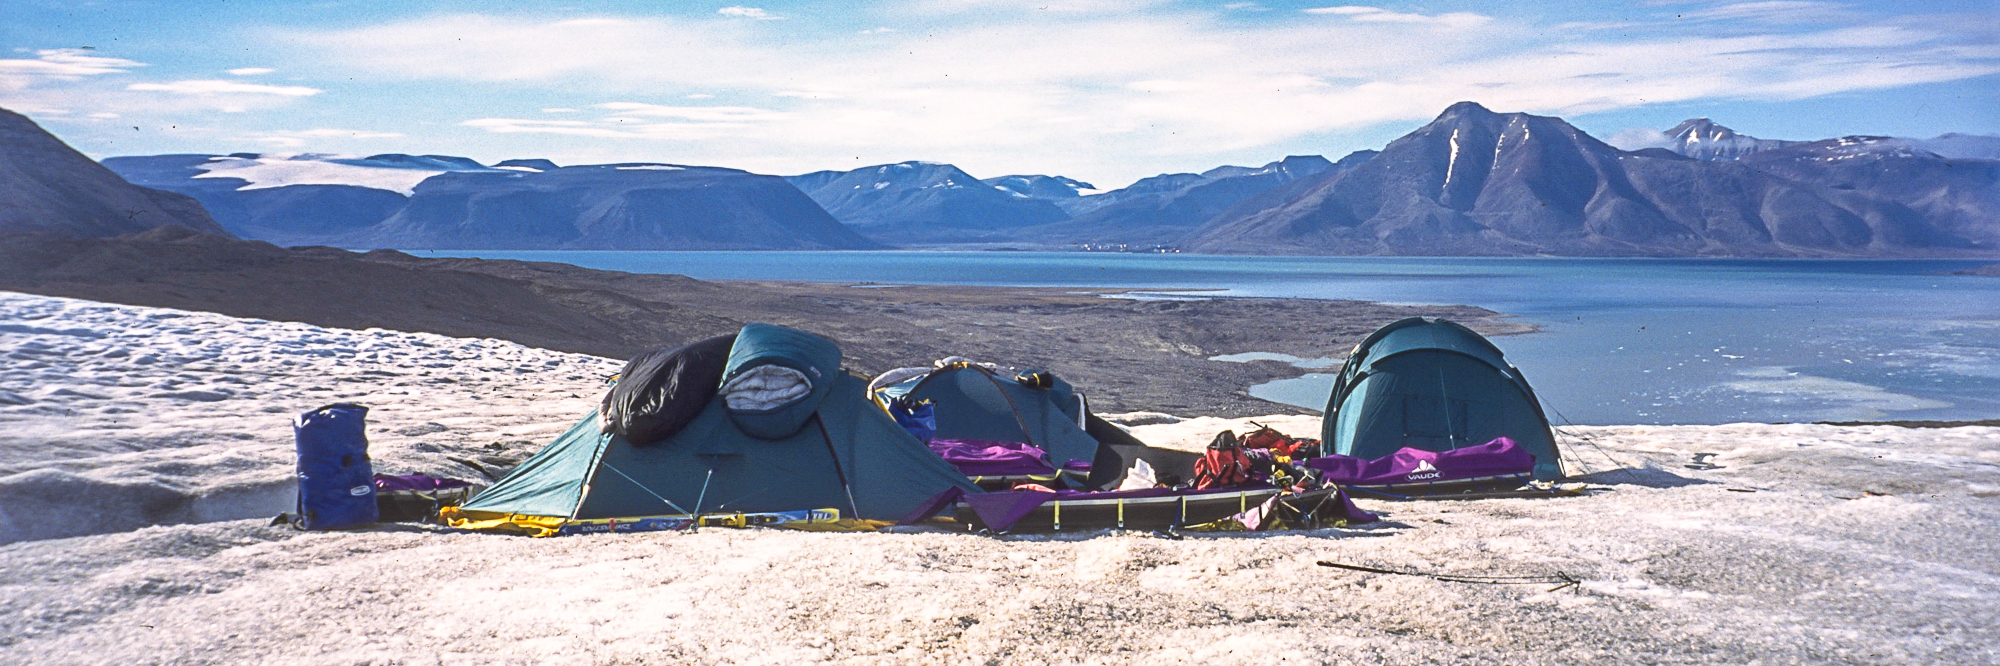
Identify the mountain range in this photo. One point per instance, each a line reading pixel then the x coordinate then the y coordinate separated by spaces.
pixel 443 202
pixel 1471 182
pixel 924 202
pixel 1475 182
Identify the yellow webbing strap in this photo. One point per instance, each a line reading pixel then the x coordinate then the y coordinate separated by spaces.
pixel 842 525
pixel 496 521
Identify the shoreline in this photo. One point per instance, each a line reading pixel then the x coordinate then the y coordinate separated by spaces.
pixel 1128 354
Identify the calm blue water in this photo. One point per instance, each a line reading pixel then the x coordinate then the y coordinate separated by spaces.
pixel 1623 341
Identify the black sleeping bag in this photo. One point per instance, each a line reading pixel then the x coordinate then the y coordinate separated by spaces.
pixel 659 392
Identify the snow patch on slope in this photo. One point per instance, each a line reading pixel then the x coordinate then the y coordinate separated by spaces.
pixel 267 171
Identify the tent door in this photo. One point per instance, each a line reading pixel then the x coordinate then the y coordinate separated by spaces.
pixel 1434 423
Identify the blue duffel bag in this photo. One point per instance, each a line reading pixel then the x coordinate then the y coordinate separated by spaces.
pixel 336 483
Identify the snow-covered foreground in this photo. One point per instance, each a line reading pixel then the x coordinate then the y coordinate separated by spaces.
pixel 1803 544
pixel 114 417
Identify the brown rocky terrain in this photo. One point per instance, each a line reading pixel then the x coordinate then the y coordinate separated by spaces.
pixel 1128 354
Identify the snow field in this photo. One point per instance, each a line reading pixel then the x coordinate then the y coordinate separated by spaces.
pixel 165 416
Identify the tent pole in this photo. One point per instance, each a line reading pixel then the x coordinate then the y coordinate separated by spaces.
pixel 670 504
pixel 701 497
pixel 837 469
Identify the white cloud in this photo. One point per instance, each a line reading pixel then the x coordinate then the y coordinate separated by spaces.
pixel 58 65
pixel 104 115
pixel 638 120
pixel 566 127
pixel 251 71
pixel 1347 9
pixel 1118 92
pixel 698 113
pixel 1379 15
pixel 877 31
pixel 1037 6
pixel 1771 11
pixel 1639 137
pixel 301 138
pixel 748 12
pixel 700 96
pixel 217 87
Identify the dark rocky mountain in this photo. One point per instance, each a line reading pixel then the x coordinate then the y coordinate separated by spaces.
pixel 1475 182
pixel 1898 184
pixel 48 187
pixel 923 202
pixel 445 202
pixel 1041 187
pixel 1162 209
pixel 290 200
pixel 609 207
pixel 526 165
pixel 303 199
pixel 1702 139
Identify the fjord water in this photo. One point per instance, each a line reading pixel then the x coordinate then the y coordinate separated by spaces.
pixel 1622 341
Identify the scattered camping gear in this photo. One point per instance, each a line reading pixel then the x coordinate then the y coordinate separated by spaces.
pixel 1497 465
pixel 1151 508
pixel 336 483
pixel 659 392
pixel 416 498
pixel 996 464
pixel 975 401
pixel 1280 444
pixel 1433 385
pixel 1155 509
pixel 1224 465
pixel 788 431
pixel 917 416
pixel 811 520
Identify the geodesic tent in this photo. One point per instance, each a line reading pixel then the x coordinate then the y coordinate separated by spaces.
pixel 788 431
pixel 1433 385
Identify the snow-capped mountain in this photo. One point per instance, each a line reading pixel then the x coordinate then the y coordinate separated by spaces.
pixel 638 206
pixel 47 187
pixel 917 202
pixel 1159 209
pixel 444 202
pixel 1702 139
pixel 1042 187
pixel 1475 182
pixel 296 199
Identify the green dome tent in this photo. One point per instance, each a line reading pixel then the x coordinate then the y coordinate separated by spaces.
pixel 1433 385
pixel 816 444
pixel 976 402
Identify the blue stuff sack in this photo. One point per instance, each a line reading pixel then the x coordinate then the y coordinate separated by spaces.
pixel 336 483
pixel 919 417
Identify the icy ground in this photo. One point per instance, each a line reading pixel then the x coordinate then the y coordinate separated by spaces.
pixel 166 416
pixel 1789 544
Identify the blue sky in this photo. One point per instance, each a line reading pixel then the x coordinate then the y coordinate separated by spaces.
pixel 1101 91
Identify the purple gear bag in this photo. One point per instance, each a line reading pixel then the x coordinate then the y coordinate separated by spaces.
pixel 1498 458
